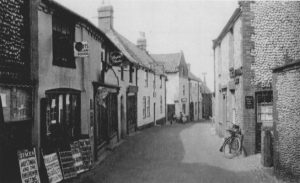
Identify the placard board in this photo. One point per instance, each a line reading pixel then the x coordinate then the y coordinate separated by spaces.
pixel 52 167
pixel 249 102
pixel 86 152
pixel 67 164
pixel 76 154
pixel 28 166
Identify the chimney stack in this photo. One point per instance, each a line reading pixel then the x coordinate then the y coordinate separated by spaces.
pixel 105 17
pixel 142 42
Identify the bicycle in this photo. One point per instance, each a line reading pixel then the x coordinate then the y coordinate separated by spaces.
pixel 232 145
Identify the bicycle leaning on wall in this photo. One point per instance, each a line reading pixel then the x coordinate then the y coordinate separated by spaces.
pixel 232 145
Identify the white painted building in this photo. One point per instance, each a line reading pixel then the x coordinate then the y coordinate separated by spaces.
pixel 195 99
pixel 177 87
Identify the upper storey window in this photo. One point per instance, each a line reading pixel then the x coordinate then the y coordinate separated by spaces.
pixel 63 39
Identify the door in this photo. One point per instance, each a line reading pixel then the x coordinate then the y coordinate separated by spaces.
pixel 264 114
pixel 131 113
pixel 191 111
pixel 171 111
pixel 123 123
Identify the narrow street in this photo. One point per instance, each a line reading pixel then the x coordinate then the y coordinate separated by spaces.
pixel 177 153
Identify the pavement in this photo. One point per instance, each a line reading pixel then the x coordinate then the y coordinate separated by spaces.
pixel 178 153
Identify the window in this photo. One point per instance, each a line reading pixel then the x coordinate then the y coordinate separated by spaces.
pixel 183 108
pixel 122 73
pixel 160 81
pixel 161 104
pixel 64 112
pixel 154 81
pixel 148 107
pixel 131 70
pixel 63 38
pixel 144 107
pixel 183 91
pixel 146 78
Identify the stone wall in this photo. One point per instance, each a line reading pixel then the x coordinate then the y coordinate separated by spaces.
pixel 286 121
pixel 277 26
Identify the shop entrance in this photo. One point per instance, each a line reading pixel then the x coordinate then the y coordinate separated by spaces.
pixel 264 114
pixel 191 111
pixel 131 113
pixel 106 109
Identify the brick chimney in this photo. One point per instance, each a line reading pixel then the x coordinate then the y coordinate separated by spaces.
pixel 142 42
pixel 105 17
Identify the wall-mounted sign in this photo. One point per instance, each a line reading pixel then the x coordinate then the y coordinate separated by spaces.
pixel 81 49
pixel 116 58
pixel 183 100
pixel 249 102
pixel 52 167
pixel 28 166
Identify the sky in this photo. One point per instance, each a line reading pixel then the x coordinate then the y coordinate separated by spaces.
pixel 170 26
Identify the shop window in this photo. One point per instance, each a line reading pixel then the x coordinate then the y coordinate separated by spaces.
pixel 63 111
pixel 144 107
pixel 148 107
pixel 63 39
pixel 16 103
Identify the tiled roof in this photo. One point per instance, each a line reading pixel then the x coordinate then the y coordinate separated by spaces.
pixel 204 89
pixel 130 50
pixel 171 61
pixel 193 77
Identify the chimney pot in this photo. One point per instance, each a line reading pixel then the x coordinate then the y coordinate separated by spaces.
pixel 142 42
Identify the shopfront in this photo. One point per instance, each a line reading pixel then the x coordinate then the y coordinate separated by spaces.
pixel 106 114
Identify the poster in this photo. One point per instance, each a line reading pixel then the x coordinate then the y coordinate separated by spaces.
pixel 67 164
pixel 28 166
pixel 53 169
pixel 76 154
pixel 86 152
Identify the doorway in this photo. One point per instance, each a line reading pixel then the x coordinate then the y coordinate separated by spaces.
pixel 131 113
pixel 264 114
pixel 154 118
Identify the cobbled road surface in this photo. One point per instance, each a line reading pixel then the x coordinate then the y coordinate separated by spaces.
pixel 185 153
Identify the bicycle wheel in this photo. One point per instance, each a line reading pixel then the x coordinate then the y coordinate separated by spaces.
pixel 231 147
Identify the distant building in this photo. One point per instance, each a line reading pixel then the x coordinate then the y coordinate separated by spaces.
pixel 195 99
pixel 177 87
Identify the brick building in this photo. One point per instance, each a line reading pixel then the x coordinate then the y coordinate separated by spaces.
pixel 258 37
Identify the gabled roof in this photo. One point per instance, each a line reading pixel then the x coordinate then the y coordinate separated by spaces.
pixel 204 89
pixel 193 77
pixel 171 61
pixel 133 53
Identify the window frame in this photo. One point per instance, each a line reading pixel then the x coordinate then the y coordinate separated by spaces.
pixel 148 106
pixel 63 37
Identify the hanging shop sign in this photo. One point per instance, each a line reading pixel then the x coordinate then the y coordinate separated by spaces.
pixel 81 49
pixel 52 167
pixel 249 102
pixel 116 58
pixel 28 166
pixel 67 164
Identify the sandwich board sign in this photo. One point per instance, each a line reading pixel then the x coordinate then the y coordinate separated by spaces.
pixel 53 169
pixel 28 166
